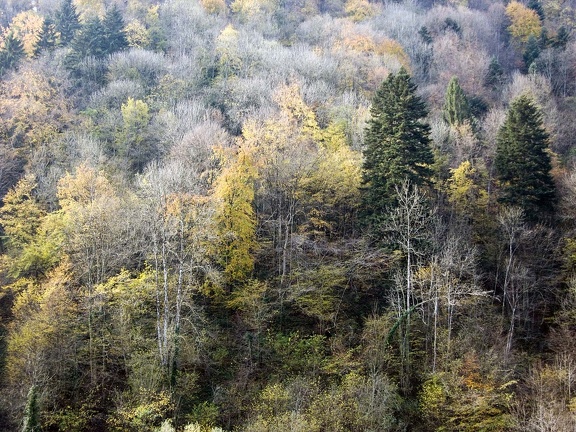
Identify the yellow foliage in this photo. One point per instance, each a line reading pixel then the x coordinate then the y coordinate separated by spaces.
pixel 137 35
pixel 392 48
pixel 253 9
pixel 27 27
pixel 525 22
pixel 83 188
pixel 235 216
pixel 292 105
pixel 467 197
pixel 215 7
pixel 227 49
pixel 359 10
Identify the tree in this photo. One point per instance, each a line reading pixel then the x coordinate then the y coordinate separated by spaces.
pixel 47 38
pixel 495 75
pixel 525 22
pixel 11 53
pixel 456 107
pixel 32 413
pixel 522 163
pixel 531 52
pixel 114 34
pixel 396 145
pixel 67 22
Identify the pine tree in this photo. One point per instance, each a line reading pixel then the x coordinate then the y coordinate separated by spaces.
pixel 114 35
pixel 32 414
pixel 11 53
pixel 456 106
pixel 531 52
pixel 522 163
pixel 67 22
pixel 495 75
pixel 48 37
pixel 397 144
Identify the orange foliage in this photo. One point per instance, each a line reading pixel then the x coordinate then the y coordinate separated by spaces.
pixel 525 22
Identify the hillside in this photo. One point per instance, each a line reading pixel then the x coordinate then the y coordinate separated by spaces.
pixel 298 215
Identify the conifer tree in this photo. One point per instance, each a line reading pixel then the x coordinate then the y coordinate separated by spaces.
pixel 114 35
pixel 47 38
pixel 531 52
pixel 32 414
pixel 456 106
pixel 397 143
pixel 522 163
pixel 11 53
pixel 67 22
pixel 495 75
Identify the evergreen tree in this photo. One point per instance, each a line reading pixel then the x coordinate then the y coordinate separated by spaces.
pixel 11 53
pixel 522 163
pixel 114 35
pixel 536 6
pixel 397 144
pixel 456 106
pixel 561 38
pixel 531 52
pixel 67 22
pixel 495 75
pixel 48 37
pixel 32 414
pixel 89 41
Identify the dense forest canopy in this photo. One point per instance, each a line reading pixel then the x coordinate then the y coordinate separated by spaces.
pixel 299 215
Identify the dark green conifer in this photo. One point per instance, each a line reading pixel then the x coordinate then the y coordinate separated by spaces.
pixel 531 52
pixel 536 6
pixel 397 143
pixel 114 35
pixel 67 22
pixel 495 75
pixel 48 37
pixel 11 53
pixel 456 107
pixel 522 163
pixel 561 38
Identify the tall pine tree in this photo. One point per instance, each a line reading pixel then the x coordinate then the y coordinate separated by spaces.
pixel 522 163
pixel 32 414
pixel 114 35
pixel 397 143
pixel 67 22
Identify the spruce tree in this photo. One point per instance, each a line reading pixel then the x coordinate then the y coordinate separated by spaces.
pixel 495 75
pixel 48 37
pixel 531 52
pixel 11 53
pixel 397 144
pixel 456 106
pixel 522 163
pixel 67 22
pixel 114 36
pixel 31 421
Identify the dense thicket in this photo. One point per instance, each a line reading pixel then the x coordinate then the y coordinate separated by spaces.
pixel 287 216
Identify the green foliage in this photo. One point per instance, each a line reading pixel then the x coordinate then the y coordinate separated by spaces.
pixel 48 37
pixel 456 107
pixel 31 421
pixel 11 53
pixel 397 143
pixel 113 31
pixel 522 161
pixel 531 52
pixel 67 22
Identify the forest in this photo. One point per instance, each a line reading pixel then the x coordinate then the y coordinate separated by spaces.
pixel 287 215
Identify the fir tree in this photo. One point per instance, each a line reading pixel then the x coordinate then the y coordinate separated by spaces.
pixel 114 36
pixel 397 144
pixel 48 37
pixel 561 38
pixel 11 53
pixel 531 53
pixel 495 75
pixel 67 22
pixel 522 163
pixel 456 106
pixel 536 6
pixel 32 414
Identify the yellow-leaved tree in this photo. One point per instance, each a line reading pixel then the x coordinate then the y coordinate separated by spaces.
pixel 525 22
